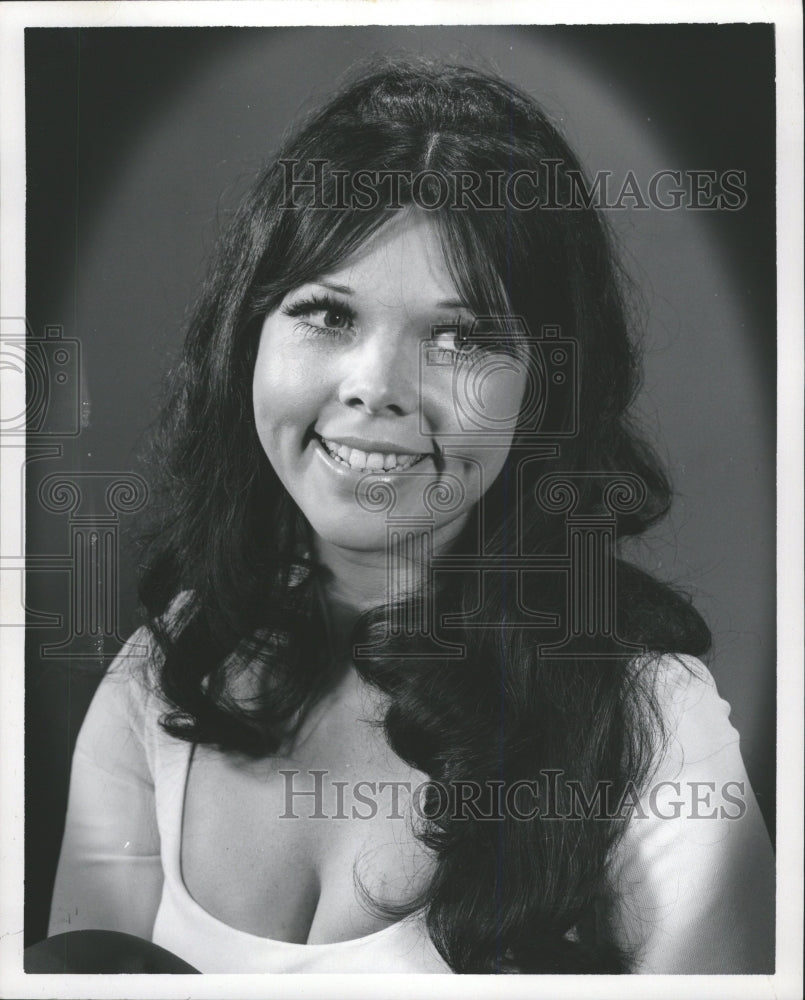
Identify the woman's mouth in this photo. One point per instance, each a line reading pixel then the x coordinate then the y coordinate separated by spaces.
pixel 372 461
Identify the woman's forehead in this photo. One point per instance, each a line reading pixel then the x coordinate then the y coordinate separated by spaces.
pixel 405 254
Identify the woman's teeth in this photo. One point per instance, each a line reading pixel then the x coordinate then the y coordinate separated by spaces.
pixel 372 461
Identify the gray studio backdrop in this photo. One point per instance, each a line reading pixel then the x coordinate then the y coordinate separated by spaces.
pixel 139 228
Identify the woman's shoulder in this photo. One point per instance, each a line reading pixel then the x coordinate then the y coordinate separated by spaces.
pixel 694 716
pixel 693 874
pixel 130 687
pixel 126 698
pixel 678 682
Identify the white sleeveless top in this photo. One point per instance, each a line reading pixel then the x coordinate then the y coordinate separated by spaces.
pixel 188 930
pixel 693 875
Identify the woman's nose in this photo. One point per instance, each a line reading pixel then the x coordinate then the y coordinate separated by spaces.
pixel 380 377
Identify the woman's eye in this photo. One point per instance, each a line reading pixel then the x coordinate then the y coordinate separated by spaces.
pixel 453 340
pixel 336 319
pixel 320 315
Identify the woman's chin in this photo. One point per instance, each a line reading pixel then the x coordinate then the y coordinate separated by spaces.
pixel 381 541
pixel 369 535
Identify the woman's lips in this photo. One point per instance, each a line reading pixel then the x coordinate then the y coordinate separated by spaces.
pixel 360 460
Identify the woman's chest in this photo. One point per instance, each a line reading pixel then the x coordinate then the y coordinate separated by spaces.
pixel 280 848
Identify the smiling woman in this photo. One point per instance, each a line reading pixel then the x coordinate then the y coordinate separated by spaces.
pixel 398 460
pixel 339 391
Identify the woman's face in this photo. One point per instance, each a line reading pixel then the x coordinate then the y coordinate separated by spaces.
pixel 368 412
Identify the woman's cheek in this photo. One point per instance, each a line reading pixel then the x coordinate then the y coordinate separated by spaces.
pixel 282 382
pixel 479 399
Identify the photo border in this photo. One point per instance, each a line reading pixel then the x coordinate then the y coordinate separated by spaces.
pixel 787 18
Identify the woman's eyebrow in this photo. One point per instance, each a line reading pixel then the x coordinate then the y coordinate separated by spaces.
pixel 347 290
pixel 453 304
pixel 342 289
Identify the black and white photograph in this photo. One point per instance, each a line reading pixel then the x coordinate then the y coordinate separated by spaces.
pixel 402 467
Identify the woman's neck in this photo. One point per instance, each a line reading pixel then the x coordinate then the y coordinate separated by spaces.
pixel 357 580
pixel 353 580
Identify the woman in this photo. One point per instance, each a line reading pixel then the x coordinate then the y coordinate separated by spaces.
pixel 398 708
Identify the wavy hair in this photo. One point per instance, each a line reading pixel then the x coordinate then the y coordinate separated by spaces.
pixel 505 895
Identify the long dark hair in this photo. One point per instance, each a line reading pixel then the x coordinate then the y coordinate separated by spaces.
pixel 507 895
